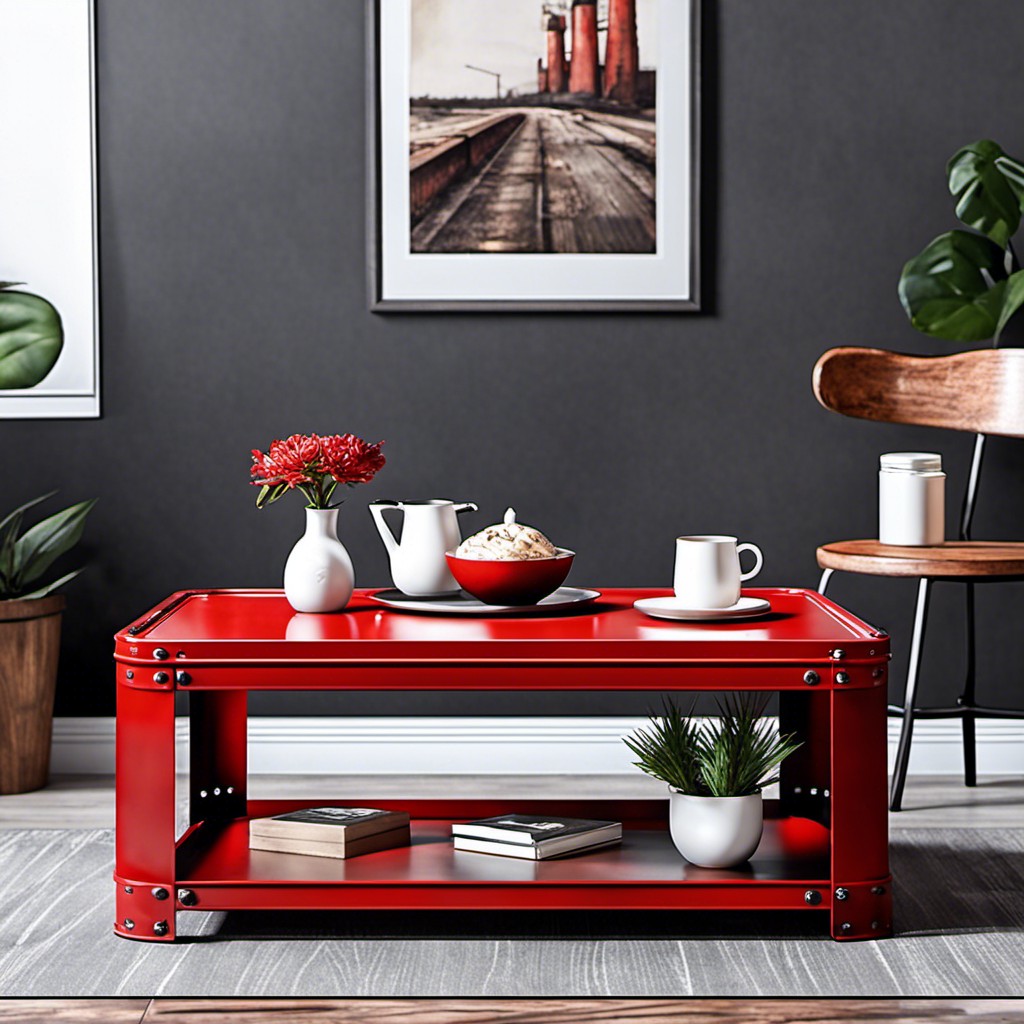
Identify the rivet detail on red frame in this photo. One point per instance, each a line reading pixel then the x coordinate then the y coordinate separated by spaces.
pixel 862 910
pixel 864 676
pixel 159 680
pixel 142 910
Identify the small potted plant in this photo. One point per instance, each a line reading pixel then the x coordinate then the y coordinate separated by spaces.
pixel 318 575
pixel 30 615
pixel 716 771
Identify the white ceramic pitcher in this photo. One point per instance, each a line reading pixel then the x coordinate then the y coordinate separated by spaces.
pixel 430 528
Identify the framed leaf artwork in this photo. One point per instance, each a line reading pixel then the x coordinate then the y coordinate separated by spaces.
pixel 49 308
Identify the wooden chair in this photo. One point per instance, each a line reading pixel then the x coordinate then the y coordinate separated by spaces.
pixel 981 392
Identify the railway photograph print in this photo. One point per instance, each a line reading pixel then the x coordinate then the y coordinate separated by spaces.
pixel 495 165
pixel 525 156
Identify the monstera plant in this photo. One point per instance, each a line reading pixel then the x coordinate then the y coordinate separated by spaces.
pixel 966 285
pixel 31 337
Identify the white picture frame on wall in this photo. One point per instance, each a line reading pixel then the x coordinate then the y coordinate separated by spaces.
pixel 414 269
pixel 48 192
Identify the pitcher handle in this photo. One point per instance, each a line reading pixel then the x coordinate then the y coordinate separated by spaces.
pixel 377 510
pixel 466 506
pixel 757 554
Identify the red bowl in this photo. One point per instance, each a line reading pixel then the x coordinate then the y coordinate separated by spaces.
pixel 512 582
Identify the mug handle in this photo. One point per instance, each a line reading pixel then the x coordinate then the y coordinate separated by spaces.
pixel 760 560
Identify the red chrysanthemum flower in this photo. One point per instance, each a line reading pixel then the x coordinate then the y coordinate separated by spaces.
pixel 315 465
pixel 350 459
pixel 289 462
pixel 266 472
pixel 297 453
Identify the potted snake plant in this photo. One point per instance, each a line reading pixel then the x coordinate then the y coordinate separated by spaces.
pixel 30 618
pixel 716 771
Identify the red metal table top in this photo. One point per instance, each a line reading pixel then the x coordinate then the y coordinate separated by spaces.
pixel 240 627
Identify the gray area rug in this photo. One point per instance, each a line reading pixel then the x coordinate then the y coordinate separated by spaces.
pixel 959 914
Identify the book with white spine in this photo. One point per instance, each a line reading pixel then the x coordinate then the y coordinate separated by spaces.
pixel 523 852
pixel 532 836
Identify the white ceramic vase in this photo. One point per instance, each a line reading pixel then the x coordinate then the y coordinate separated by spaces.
pixel 716 831
pixel 318 576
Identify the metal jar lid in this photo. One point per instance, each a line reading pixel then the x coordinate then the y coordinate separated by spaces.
pixel 911 462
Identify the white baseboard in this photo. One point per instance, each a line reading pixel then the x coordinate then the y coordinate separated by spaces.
pixel 489 746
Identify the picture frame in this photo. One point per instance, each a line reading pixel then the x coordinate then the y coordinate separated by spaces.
pixel 508 272
pixel 48 194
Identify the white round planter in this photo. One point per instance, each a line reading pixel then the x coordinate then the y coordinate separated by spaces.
pixel 716 831
pixel 318 576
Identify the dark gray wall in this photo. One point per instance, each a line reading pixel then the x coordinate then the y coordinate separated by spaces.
pixel 234 310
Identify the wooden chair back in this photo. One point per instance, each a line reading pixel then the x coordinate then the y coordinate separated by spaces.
pixel 980 391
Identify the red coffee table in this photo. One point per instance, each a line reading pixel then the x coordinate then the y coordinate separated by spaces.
pixel 825 846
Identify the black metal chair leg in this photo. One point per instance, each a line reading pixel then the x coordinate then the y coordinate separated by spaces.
pixel 967 700
pixel 899 775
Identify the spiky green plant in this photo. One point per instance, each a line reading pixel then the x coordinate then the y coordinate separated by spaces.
pixel 669 750
pixel 25 558
pixel 735 754
pixel 739 751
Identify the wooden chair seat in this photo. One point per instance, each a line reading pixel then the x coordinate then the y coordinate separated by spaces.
pixel 976 559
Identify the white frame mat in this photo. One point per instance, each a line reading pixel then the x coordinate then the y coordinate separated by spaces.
pixel 665 281
pixel 48 201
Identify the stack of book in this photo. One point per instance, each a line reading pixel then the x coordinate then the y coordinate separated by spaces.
pixel 533 837
pixel 339 832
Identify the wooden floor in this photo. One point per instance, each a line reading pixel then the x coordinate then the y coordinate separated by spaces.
pixel 931 801
pixel 512 1011
pixel 565 182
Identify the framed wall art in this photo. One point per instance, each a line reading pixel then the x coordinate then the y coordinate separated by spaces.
pixel 531 155
pixel 48 216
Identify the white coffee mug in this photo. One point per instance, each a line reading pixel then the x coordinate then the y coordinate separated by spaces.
pixel 708 573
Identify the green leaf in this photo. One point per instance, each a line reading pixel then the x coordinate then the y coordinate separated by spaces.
pixel 42 545
pixel 4 285
pixel 985 198
pixel 31 339
pixel 1013 171
pixel 7 573
pixel 953 289
pixel 50 587
pixel 269 494
pixel 24 508
pixel 1013 299
pixel 10 527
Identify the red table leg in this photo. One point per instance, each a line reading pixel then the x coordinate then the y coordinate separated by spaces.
pixel 862 886
pixel 144 871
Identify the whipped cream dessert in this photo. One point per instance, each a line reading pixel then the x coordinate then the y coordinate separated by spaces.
pixel 507 541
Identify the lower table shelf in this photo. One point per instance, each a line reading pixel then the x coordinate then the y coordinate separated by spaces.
pixel 214 863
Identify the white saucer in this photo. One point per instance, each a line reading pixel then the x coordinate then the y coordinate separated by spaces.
pixel 671 608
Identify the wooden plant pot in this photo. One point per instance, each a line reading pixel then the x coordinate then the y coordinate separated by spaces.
pixel 29 649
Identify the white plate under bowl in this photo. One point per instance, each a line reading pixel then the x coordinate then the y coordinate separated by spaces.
pixel 463 604
pixel 673 608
